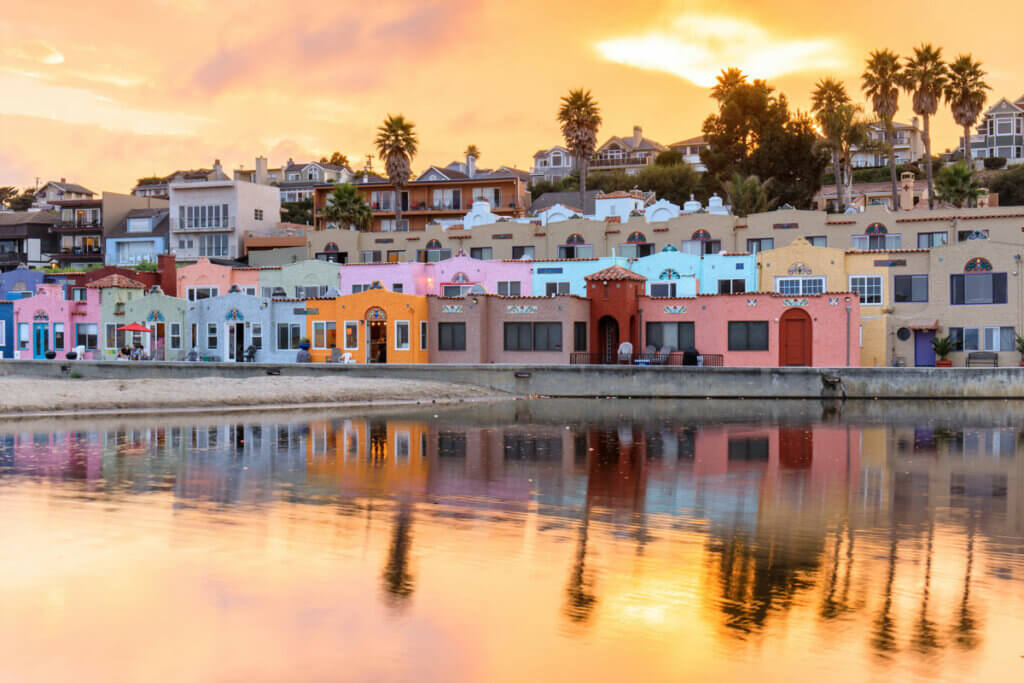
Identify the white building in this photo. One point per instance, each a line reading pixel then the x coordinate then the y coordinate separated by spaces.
pixel 690 149
pixel 552 164
pixel 211 218
pixel 908 145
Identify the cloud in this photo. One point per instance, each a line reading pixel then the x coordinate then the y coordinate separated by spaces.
pixel 697 47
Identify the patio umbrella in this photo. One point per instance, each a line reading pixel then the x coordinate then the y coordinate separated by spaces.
pixel 134 327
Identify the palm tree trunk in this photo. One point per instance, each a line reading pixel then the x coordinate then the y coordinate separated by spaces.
pixel 968 162
pixel 583 185
pixel 928 160
pixel 398 207
pixel 840 204
pixel 891 138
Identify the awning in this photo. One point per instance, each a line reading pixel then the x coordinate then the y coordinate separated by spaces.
pixel 920 324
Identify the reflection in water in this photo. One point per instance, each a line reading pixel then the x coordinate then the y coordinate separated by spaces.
pixel 675 523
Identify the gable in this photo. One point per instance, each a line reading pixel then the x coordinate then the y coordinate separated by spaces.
pixel 1003 107
pixel 433 173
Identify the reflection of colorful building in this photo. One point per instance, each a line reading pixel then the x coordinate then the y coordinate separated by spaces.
pixel 375 326
pixel 381 455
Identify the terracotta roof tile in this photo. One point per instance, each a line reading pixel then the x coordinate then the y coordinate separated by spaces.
pixel 616 273
pixel 116 280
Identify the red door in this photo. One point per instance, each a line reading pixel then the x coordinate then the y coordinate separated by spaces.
pixel 795 338
pixel 796 447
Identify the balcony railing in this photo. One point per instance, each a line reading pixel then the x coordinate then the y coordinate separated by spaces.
pixel 79 255
pixel 224 224
pixel 78 226
pixel 621 161
pixel 15 257
pixel 672 358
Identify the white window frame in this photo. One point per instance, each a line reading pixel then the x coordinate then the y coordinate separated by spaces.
pixel 320 327
pixel 344 338
pixel 802 279
pixel 984 341
pixel 3 332
pixel 881 289
pixel 256 333
pixel 211 331
pixel 191 293
pixel 175 333
pixel 408 335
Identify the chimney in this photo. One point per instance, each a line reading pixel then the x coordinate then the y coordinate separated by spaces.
pixel 913 122
pixel 168 274
pixel 217 170
pixel 260 175
pixel 471 166
pixel 638 135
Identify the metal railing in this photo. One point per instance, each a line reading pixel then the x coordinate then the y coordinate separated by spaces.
pixel 672 358
pixel 178 226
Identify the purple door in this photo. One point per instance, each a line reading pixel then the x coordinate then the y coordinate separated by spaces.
pixel 924 354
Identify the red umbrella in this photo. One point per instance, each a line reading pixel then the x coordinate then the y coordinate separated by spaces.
pixel 134 327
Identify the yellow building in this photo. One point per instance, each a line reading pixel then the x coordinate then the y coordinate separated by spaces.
pixel 373 326
pixel 802 269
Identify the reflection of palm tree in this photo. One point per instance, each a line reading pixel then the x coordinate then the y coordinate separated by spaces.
pixel 831 608
pixel 966 627
pixel 398 581
pixel 885 638
pixel 581 595
pixel 924 638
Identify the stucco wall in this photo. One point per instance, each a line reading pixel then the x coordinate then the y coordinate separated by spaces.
pixel 354 308
pixel 308 273
pixel 202 273
pixel 50 302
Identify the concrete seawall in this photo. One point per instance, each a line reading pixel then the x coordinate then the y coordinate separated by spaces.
pixel 591 381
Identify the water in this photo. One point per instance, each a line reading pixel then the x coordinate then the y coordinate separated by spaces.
pixel 530 540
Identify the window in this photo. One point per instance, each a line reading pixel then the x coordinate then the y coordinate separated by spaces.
pixel 401 335
pixel 965 338
pixel 24 335
pixel 579 336
pixel 360 288
pixel 396 255
pixel 324 334
pixel 1000 339
pixel 556 159
pixel 454 290
pixel 760 244
pixel 964 235
pixel 310 291
pixel 663 289
pixel 818 240
pixel 877 242
pixel 748 336
pixel 522 253
pixel 433 255
pixel 509 288
pixel 906 288
pixel 195 335
pixel 712 246
pixel 370 257
pixel 799 286
pixel 58 336
pixel 748 450
pixel 213 245
pixel 629 250
pixel 533 336
pixel 211 335
pixel 868 286
pixel 351 335
pixel 677 336
pixel 1004 127
pixel 482 253
pixel 87 335
pixel 197 293
pixel 288 336
pixel 423 335
pixel 114 339
pixel 257 214
pixel 176 335
pixel 927 240
pixel 553 288
pixel 734 286
pixel 977 288
pixel 78 293
pixel 397 287
pixel 578 251
pixel 451 336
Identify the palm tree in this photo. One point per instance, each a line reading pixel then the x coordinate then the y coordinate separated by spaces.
pixel 852 133
pixel 956 184
pixel 965 93
pixel 7 193
pixel 881 82
pixel 727 82
pixel 580 118
pixel 396 145
pixel 828 98
pixel 925 76
pixel 336 159
pixel 472 151
pixel 747 194
pixel 346 207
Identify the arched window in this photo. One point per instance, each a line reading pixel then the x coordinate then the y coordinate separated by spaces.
pixel 376 285
pixel 975 235
pixel 376 314
pixel 669 274
pixel 669 247
pixel 331 248
pixel 574 238
pixel 460 277
pixel 978 265
pixel 876 229
pixel 636 238
pixel 434 244
pixel 702 235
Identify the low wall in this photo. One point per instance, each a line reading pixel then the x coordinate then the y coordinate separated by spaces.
pixel 596 381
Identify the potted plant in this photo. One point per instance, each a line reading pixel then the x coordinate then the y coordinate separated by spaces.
pixel 1020 348
pixel 943 346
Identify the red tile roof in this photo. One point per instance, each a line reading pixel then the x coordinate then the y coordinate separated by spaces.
pixel 116 280
pixel 616 273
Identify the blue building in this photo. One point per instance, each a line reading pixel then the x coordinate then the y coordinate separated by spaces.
pixel 6 329
pixel 18 283
pixel 141 236
pixel 565 276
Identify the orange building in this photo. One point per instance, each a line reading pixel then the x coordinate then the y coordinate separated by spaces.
pixel 373 326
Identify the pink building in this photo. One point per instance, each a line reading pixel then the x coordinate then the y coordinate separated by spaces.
pixel 49 322
pixel 203 279
pixel 451 277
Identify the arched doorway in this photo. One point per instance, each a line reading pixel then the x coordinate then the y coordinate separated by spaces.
pixel 376 335
pixel 795 338
pixel 608 338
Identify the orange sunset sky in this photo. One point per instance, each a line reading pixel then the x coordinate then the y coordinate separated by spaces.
pixel 105 91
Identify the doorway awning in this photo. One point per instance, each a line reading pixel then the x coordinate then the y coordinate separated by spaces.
pixel 921 324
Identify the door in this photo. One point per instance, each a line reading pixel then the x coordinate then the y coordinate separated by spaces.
pixel 924 354
pixel 157 341
pixel 236 342
pixel 795 338
pixel 377 348
pixel 41 341
pixel 608 338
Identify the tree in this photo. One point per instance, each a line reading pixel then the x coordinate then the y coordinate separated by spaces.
pixel 472 151
pixel 956 184
pixel 1009 185
pixel 396 145
pixel 965 93
pixel 925 76
pixel 674 183
pixel 753 133
pixel 670 157
pixel 336 159
pixel 881 82
pixel 300 212
pixel 829 103
pixel 580 118
pixel 346 207
pixel 748 194
pixel 149 180
pixel 22 202
pixel 7 193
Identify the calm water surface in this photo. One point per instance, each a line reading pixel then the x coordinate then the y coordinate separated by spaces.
pixel 527 541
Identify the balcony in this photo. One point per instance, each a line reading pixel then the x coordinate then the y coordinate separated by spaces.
pixel 78 227
pixel 632 160
pixel 225 224
pixel 78 255
pixel 10 259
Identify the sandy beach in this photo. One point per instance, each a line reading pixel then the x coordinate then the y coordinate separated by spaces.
pixel 20 396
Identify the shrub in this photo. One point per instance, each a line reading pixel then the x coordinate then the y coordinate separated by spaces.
pixel 992 163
